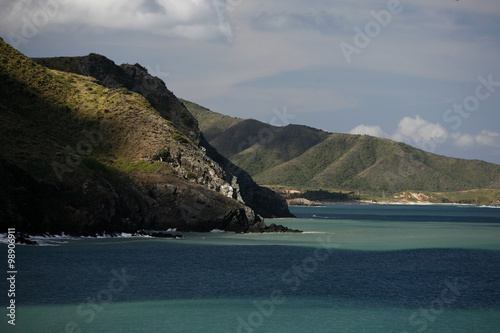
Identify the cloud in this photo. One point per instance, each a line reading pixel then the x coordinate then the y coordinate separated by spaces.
pixel 464 140
pixel 488 138
pixel 484 138
pixel 430 136
pixel 369 130
pixel 419 130
pixel 193 19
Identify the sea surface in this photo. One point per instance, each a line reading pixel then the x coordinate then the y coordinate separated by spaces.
pixel 356 268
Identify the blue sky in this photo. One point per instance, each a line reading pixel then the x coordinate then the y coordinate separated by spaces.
pixel 424 72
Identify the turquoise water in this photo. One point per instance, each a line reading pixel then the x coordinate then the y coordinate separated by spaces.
pixel 357 268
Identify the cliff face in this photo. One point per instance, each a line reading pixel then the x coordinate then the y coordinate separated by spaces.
pixel 80 157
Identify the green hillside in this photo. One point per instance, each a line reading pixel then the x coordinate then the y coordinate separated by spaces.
pixel 278 145
pixel 214 123
pixel 131 77
pixel 356 162
pixel 300 156
pixel 251 143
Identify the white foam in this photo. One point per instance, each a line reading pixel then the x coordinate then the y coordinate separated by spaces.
pixel 217 231
pixel 58 240
pixel 4 239
pixel 487 206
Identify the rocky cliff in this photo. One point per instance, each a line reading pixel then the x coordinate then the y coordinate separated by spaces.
pixel 217 173
pixel 89 155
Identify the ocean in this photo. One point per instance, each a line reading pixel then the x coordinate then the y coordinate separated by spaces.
pixel 356 268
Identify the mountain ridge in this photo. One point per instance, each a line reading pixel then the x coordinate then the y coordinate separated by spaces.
pixel 340 161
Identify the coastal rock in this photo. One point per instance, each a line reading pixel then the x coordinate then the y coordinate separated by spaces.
pixel 273 228
pixel 161 235
pixel 301 202
pixel 22 238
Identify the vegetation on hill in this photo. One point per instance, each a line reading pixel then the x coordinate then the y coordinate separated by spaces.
pixel 129 78
pixel 326 196
pixel 302 157
pixel 214 123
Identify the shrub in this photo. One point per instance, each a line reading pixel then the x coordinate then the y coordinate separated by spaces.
pixel 163 156
pixel 187 119
pixel 180 138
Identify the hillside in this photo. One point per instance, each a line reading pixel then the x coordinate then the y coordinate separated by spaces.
pixel 214 123
pixel 88 155
pixel 303 157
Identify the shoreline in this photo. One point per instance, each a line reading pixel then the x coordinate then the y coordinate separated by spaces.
pixel 54 239
pixel 372 202
pixel 428 203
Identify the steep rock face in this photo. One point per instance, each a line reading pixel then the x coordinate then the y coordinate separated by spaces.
pixel 221 176
pixel 264 201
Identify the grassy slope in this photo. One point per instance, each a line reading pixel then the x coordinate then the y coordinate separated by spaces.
pixel 134 78
pixel 277 145
pixel 298 156
pixel 49 115
pixel 363 162
pixel 211 123
pixel 251 144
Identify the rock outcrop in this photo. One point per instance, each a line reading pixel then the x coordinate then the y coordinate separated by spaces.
pixel 302 202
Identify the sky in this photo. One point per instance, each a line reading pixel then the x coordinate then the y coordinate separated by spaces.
pixel 423 72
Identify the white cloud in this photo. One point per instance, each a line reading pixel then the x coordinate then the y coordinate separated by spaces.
pixel 484 138
pixel 464 140
pixel 419 130
pixel 369 130
pixel 433 137
pixel 193 19
pixel 488 138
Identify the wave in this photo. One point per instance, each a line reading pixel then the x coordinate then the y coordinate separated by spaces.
pixel 58 240
pixel 325 217
pixel 488 206
pixel 52 240
pixel 4 239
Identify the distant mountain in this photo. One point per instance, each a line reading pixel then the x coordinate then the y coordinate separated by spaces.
pixel 116 152
pixel 301 156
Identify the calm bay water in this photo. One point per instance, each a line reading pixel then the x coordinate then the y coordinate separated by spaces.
pixel 357 268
